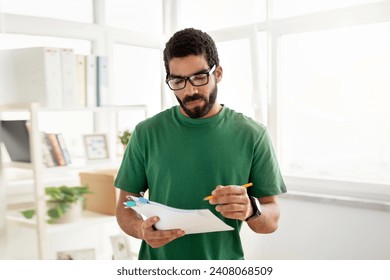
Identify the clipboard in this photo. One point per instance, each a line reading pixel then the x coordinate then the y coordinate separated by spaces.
pixel 191 221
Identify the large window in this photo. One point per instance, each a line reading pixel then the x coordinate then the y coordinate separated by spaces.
pixel 328 85
pixel 236 89
pixel 217 14
pixel 71 10
pixel 261 75
pixel 334 99
pixel 142 16
pixel 288 8
pixel 137 77
pixel 320 83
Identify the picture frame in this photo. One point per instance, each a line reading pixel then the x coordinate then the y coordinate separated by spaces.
pixel 83 254
pixel 96 147
pixel 120 247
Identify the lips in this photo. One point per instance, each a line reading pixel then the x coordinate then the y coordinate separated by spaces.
pixel 194 102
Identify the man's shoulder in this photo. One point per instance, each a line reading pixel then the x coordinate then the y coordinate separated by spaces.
pixel 244 121
pixel 157 119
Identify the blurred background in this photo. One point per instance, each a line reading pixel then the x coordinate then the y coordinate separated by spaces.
pixel 315 72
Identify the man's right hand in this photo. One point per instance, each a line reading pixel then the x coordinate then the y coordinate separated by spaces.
pixel 158 238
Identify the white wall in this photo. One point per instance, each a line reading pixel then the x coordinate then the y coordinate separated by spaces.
pixel 322 231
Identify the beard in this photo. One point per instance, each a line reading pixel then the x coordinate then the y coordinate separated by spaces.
pixel 199 111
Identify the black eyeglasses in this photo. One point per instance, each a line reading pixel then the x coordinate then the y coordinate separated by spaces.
pixel 197 80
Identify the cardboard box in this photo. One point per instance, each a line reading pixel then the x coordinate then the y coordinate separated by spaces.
pixel 105 195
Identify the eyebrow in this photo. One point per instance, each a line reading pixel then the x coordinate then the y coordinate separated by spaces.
pixel 173 76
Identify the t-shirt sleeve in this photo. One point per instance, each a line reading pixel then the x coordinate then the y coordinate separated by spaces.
pixel 265 172
pixel 131 176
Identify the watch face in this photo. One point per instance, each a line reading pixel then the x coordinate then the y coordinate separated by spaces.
pixel 258 210
pixel 256 207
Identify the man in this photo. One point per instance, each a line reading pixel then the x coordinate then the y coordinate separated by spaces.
pixel 187 152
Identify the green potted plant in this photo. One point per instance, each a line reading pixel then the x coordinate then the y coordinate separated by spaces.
pixel 124 137
pixel 61 202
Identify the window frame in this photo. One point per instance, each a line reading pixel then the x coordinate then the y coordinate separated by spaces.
pixel 103 37
pixel 341 18
pixel 275 29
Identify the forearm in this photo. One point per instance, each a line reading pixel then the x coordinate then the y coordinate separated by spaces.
pixel 130 222
pixel 128 219
pixel 267 222
pixel 133 224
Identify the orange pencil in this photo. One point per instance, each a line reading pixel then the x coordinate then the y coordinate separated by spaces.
pixel 245 186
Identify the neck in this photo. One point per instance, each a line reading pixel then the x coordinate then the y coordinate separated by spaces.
pixel 215 110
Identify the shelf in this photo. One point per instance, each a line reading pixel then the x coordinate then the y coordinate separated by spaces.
pixel 111 108
pixel 25 182
pixel 21 165
pixel 89 218
pixel 19 172
pixel 15 107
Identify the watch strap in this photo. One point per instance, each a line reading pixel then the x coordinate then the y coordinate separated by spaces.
pixel 255 206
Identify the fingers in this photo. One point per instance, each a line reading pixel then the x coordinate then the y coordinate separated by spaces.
pixel 158 238
pixel 149 223
pixel 229 194
pixel 232 202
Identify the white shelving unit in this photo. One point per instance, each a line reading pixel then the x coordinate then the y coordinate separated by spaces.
pixel 88 218
pixel 41 174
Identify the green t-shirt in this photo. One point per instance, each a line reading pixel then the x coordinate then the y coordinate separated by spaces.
pixel 181 160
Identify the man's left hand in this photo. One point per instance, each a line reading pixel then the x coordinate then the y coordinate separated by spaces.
pixel 232 202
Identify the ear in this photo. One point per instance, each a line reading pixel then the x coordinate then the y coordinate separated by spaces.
pixel 219 73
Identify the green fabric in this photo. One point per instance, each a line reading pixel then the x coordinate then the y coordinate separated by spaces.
pixel 181 160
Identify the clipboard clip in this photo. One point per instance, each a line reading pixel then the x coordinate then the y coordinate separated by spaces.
pixel 135 201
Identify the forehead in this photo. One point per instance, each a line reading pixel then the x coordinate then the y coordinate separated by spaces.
pixel 188 65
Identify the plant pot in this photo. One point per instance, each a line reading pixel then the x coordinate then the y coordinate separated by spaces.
pixel 73 214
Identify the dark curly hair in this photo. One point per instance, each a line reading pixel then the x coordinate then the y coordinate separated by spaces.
pixel 191 41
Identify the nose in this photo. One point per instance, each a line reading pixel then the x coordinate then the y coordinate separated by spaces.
pixel 190 89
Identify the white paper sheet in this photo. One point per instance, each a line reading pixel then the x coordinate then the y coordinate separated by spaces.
pixel 191 221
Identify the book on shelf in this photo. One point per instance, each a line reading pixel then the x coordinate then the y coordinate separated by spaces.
pixel 47 152
pixel 64 149
pixel 102 81
pixel 81 79
pixel 15 136
pixel 53 77
pixel 91 93
pixel 57 151
pixel 68 71
pixel 31 75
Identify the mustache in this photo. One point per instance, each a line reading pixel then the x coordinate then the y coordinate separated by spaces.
pixel 193 97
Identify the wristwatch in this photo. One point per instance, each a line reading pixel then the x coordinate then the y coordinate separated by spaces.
pixel 256 208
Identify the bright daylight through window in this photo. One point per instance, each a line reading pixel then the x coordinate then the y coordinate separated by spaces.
pixel 334 97
pixel 329 91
